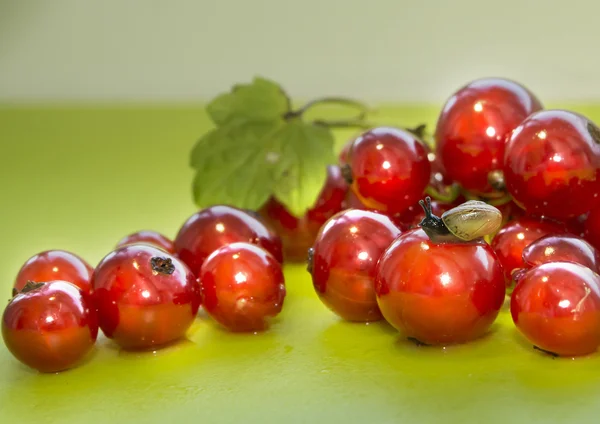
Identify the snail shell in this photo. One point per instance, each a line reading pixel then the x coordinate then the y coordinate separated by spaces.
pixel 472 220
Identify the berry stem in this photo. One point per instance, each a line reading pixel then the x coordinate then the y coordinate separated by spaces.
pixel 418 131
pixel 450 196
pixel 363 109
pixel 500 201
pixel 359 121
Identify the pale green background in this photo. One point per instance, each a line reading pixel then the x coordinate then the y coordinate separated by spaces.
pixel 395 50
pixel 80 178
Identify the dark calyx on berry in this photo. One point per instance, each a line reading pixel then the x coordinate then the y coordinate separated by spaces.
pixel 347 174
pixel 594 132
pixel 30 286
pixel 162 265
pixel 433 225
pixel 419 130
pixel 309 260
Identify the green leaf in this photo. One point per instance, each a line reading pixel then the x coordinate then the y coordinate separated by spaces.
pixel 258 150
pixel 307 150
pixel 245 164
pixel 261 100
pixel 237 165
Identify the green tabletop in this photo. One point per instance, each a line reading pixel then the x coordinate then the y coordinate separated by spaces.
pixel 79 178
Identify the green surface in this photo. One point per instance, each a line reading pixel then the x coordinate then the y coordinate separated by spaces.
pixel 80 178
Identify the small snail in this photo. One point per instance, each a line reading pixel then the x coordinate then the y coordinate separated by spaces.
pixel 467 222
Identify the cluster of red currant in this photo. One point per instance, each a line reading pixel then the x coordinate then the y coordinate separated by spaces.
pixel 516 196
pixel 147 292
pixel 516 205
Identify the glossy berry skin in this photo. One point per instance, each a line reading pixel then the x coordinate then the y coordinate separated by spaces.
pixel 55 265
pixel 151 238
pixel 145 297
pixel 516 236
pixel 592 228
pixel 439 293
pixel 473 126
pixel 561 248
pixel 219 225
pixel 552 164
pixel 344 259
pixel 243 287
pixel 556 306
pixel 51 328
pixel 390 169
pixel 298 234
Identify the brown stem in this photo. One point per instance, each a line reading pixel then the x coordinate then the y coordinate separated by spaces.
pixel 363 109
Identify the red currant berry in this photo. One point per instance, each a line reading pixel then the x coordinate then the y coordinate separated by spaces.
pixel 561 248
pixel 55 265
pixel 145 297
pixel 242 287
pixel 216 226
pixel 592 228
pixel 50 326
pixel 473 126
pixel 552 164
pixel 439 293
pixel 298 234
pixel 343 262
pixel 557 307
pixel 389 168
pixel 151 238
pixel 516 236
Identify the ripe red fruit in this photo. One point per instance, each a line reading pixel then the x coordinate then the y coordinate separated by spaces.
pixel 592 228
pixel 516 236
pixel 242 287
pixel 50 326
pixel 55 265
pixel 151 238
pixel 439 293
pixel 298 234
pixel 561 248
pixel 145 297
pixel 219 225
pixel 473 126
pixel 343 262
pixel 389 168
pixel 552 164
pixel 557 307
